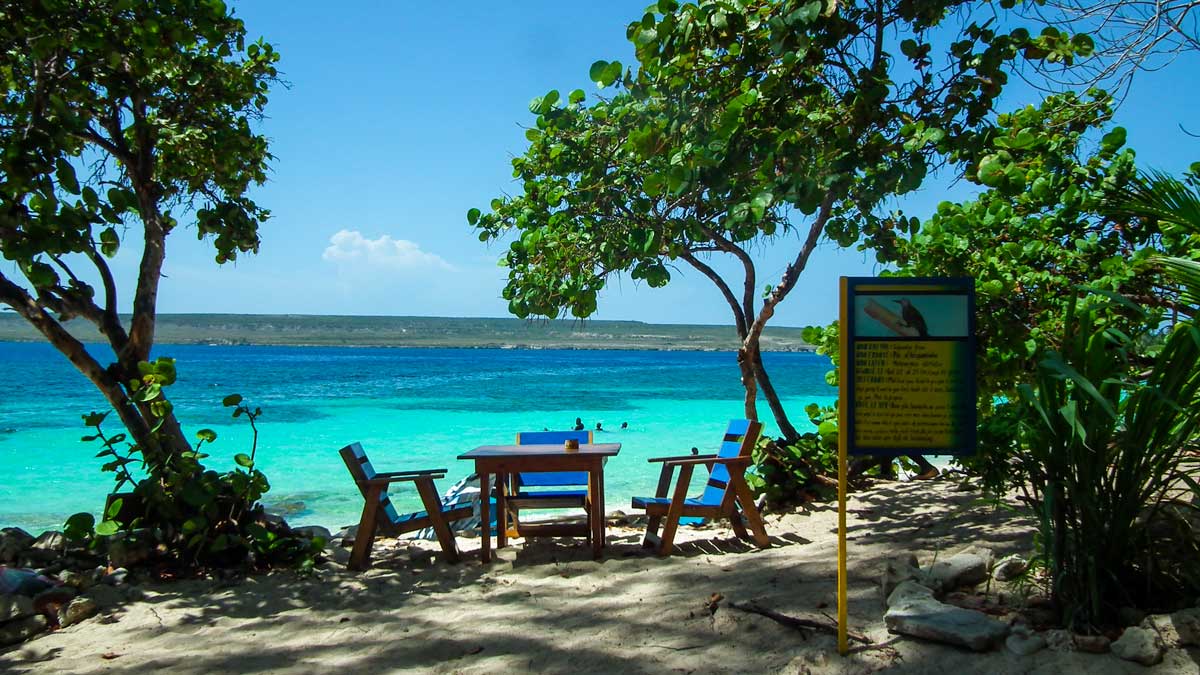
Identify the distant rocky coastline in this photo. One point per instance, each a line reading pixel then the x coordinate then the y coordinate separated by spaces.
pixel 427 332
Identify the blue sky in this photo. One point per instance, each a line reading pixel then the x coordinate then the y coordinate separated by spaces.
pixel 398 117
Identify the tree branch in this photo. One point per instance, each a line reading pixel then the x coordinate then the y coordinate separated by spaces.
pixel 739 317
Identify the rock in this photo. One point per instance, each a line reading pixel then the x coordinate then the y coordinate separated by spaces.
pixel 106 597
pixel 313 531
pixel 13 542
pixel 50 540
pixel 276 520
pixel 126 549
pixel 908 591
pixel 912 610
pixel 896 571
pixel 1187 625
pixel 1009 568
pixel 1140 645
pixel 1180 629
pixel 58 594
pixel 22 629
pixel 116 577
pixel 345 536
pixel 78 580
pixel 1022 641
pixel 48 547
pixel 1130 616
pixel 961 569
pixel 1060 640
pixel 15 607
pixel 1092 644
pixel 79 609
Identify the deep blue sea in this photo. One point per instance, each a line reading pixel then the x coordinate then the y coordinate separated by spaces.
pixel 410 408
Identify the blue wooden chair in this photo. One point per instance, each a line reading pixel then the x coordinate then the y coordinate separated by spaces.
pixel 379 515
pixel 548 489
pixel 726 494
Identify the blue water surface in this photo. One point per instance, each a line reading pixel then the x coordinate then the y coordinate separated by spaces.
pixel 410 408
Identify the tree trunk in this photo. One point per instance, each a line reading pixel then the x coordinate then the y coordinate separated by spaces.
pixel 746 364
pixel 760 374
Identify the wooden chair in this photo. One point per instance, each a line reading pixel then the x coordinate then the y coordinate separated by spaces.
pixel 548 489
pixel 725 493
pixel 374 488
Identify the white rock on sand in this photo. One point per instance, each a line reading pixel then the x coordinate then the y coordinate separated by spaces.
pixel 546 606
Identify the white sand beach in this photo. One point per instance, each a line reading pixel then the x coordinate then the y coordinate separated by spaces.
pixel 545 606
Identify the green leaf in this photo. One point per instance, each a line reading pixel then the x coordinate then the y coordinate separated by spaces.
pixel 79 526
pixel 114 507
pixel 243 460
pixel 596 72
pixel 107 528
pixel 576 96
pixel 231 400
pixel 611 73
pixel 109 242
pixel 66 176
pixel 206 435
pixel 473 216
pixel 1113 140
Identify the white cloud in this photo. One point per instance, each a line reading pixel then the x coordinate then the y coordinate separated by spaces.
pixel 350 247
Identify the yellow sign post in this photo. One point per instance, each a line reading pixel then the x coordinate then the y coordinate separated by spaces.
pixel 843 404
pixel 906 381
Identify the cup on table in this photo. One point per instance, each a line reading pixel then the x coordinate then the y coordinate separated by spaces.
pixel 570 444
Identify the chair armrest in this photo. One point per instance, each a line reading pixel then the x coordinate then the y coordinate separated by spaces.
pixel 669 459
pixel 394 474
pixel 707 460
pixel 387 480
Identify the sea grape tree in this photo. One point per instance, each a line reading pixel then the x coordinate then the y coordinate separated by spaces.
pixel 119 120
pixel 1035 233
pixel 746 124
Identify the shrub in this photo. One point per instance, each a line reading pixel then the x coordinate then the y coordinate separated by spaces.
pixel 195 516
pixel 1108 443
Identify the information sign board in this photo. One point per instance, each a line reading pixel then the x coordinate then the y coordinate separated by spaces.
pixel 908 362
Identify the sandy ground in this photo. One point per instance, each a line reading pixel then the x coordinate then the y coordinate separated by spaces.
pixel 545 606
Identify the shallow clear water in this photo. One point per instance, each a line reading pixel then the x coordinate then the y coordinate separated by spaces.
pixel 410 408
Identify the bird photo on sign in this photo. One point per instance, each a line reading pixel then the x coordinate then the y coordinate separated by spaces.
pixel 912 316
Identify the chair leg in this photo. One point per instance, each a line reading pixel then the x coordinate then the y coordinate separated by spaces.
pixel 675 510
pixel 360 555
pixel 651 538
pixel 433 507
pixel 746 500
pixel 664 484
pixel 739 529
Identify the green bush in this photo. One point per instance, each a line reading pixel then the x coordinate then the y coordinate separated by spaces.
pixel 789 473
pixel 195 516
pixel 1107 458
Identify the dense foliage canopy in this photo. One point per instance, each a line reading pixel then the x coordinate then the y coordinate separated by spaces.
pixel 765 122
pixel 119 118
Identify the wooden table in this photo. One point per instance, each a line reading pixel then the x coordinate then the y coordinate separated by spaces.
pixel 502 460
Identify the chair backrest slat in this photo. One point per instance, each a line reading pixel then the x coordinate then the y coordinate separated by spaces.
pixel 361 470
pixel 556 478
pixel 552 437
pixel 738 441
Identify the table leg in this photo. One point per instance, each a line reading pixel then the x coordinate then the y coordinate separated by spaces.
pixel 485 518
pixel 596 502
pixel 501 510
pixel 603 509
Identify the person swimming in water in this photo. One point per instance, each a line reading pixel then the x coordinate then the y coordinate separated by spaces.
pixel 598 427
pixel 578 424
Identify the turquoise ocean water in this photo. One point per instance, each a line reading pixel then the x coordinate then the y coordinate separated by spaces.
pixel 410 408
